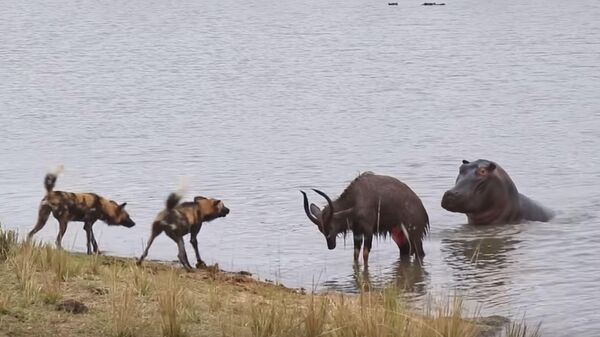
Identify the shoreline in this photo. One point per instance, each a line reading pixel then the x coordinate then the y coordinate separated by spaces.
pixel 41 288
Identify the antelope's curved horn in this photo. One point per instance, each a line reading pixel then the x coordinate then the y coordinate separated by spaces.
pixel 308 214
pixel 327 221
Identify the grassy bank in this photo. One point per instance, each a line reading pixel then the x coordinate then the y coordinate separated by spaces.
pixel 122 299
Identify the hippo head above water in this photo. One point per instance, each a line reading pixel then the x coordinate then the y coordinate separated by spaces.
pixel 487 195
pixel 477 187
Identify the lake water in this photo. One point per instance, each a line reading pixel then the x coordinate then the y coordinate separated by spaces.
pixel 252 101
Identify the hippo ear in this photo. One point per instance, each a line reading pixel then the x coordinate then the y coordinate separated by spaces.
pixel 465 161
pixel 491 167
pixel 315 210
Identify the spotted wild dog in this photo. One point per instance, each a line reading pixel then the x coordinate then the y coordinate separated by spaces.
pixel 178 220
pixel 85 207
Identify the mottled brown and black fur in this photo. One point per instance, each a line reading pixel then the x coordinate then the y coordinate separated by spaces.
pixel 85 207
pixel 177 220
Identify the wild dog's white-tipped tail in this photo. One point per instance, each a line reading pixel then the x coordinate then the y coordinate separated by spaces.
pixel 183 187
pixel 50 178
pixel 175 197
pixel 56 170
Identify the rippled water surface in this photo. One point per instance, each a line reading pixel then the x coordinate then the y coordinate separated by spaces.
pixel 252 101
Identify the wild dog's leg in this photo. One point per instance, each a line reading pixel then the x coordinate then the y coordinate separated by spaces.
pixel 156 230
pixel 182 255
pixel 194 241
pixel 90 237
pixel 94 243
pixel 62 228
pixel 367 248
pixel 358 242
pixel 43 214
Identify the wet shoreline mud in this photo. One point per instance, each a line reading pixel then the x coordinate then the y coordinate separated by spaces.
pixel 44 290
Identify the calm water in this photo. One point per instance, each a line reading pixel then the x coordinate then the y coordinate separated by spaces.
pixel 252 101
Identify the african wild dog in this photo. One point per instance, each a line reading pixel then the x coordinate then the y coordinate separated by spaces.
pixel 85 207
pixel 178 220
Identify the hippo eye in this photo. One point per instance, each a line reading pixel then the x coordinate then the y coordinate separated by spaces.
pixel 482 171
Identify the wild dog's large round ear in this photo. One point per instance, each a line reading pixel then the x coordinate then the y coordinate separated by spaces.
pixel 198 198
pixel 216 202
pixel 121 206
pixel 465 161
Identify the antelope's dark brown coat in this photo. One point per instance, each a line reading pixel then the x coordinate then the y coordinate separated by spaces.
pixel 373 205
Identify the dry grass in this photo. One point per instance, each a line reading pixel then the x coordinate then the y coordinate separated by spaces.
pixel 315 317
pixel 370 314
pixel 61 264
pixel 169 304
pixel 159 300
pixel 383 314
pixel 142 281
pixel 273 318
pixel 93 265
pixel 23 265
pixel 51 291
pixel 8 242
pixel 122 307
pixel 215 298
pixel 520 329
pixel 5 303
pixel 446 319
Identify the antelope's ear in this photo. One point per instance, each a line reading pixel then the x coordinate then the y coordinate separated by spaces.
pixel 121 206
pixel 315 210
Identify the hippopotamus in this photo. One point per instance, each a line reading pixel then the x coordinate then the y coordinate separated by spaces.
pixel 486 194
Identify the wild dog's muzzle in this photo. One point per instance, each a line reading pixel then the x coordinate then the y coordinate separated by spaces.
pixel 128 223
pixel 224 211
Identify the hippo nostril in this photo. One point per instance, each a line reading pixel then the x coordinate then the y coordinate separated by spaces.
pixel 451 195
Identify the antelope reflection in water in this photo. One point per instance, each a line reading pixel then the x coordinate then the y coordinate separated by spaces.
pixel 410 277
